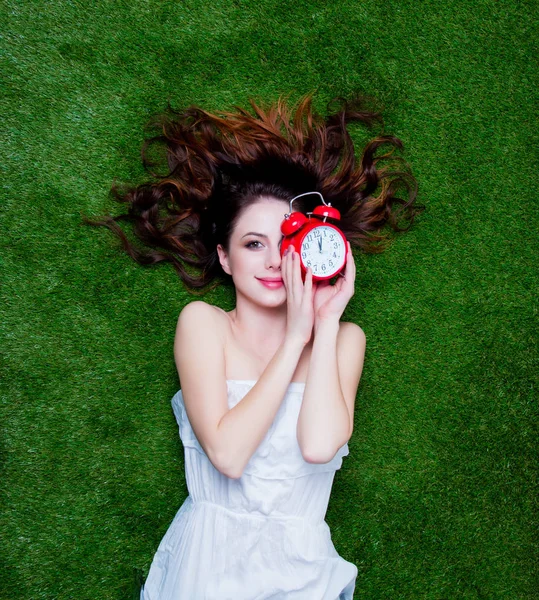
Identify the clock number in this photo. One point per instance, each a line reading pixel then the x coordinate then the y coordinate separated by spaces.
pixel 331 237
pixel 316 233
pixel 304 254
pixel 309 238
pixel 305 246
pixel 335 245
pixel 330 263
pixel 308 263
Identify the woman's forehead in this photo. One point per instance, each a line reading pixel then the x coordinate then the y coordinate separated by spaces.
pixel 266 214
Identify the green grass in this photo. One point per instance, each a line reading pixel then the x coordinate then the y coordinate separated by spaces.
pixel 437 499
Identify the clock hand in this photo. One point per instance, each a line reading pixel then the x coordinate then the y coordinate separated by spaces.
pixel 320 244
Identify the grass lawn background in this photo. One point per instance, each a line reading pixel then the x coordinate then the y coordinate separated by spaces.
pixel 437 499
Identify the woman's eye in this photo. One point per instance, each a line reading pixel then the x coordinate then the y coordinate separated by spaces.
pixel 251 244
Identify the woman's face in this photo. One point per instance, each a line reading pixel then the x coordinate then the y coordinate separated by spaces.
pixel 254 256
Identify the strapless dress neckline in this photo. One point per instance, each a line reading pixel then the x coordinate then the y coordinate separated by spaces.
pixel 292 386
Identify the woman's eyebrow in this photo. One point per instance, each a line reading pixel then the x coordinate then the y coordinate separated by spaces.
pixel 260 235
pixel 254 233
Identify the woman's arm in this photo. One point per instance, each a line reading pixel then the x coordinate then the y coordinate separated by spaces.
pixel 243 427
pixel 229 437
pixel 326 418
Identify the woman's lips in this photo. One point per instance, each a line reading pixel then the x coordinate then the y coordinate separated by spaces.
pixel 271 283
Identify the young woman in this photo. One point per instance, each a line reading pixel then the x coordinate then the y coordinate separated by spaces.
pixel 266 405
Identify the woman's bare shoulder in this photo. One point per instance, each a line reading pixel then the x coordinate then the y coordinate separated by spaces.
pixel 199 341
pixel 351 332
pixel 197 307
pixel 200 314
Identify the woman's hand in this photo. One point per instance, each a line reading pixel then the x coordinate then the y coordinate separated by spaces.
pixel 331 300
pixel 299 297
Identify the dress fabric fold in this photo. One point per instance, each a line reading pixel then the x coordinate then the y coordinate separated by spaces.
pixel 260 537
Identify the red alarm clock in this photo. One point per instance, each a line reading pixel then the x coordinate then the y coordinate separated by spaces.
pixel 321 246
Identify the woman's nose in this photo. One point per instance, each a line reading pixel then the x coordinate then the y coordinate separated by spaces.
pixel 273 260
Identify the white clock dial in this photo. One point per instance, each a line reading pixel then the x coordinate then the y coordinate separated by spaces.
pixel 323 250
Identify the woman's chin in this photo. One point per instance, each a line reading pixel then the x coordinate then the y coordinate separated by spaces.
pixel 269 299
pixel 274 300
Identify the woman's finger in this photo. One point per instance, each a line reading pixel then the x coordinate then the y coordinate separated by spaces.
pixel 283 268
pixel 308 291
pixel 338 284
pixel 288 273
pixel 349 272
pixel 352 269
pixel 296 275
pixel 352 261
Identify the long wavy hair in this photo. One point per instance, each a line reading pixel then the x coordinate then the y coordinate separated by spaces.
pixel 215 165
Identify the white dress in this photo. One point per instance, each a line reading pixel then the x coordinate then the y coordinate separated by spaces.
pixel 260 537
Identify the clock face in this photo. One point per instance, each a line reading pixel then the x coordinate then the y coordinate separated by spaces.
pixel 323 249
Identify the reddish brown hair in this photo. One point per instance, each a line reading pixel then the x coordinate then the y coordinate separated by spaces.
pixel 217 165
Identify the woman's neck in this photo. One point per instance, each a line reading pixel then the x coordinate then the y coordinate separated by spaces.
pixel 260 324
